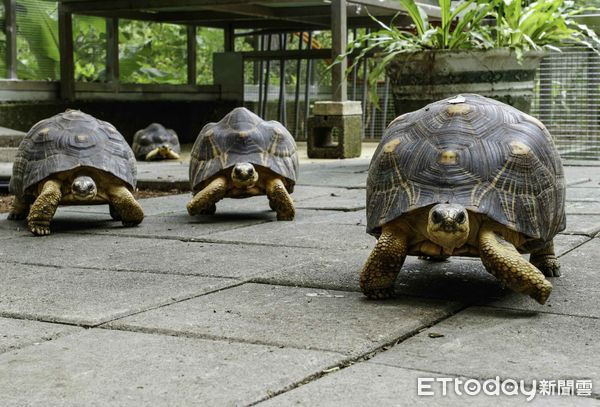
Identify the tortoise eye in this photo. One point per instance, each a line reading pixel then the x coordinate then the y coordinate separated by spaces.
pixel 460 218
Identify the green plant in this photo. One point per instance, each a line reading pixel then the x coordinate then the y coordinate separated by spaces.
pixel 473 24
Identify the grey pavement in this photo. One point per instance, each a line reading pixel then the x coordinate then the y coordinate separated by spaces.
pixel 239 309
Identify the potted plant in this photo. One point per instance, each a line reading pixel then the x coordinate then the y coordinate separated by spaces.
pixel 492 48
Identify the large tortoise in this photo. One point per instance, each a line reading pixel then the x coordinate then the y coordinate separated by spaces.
pixel 242 156
pixel 466 176
pixel 155 142
pixel 73 158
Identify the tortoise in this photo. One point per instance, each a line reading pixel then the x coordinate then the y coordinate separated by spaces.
pixel 466 176
pixel 73 158
pixel 241 156
pixel 155 142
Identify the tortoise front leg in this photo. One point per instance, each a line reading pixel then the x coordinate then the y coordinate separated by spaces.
pixel 19 209
pixel 124 206
pixel 279 199
pixel 44 207
pixel 502 260
pixel 379 273
pixel 545 260
pixel 205 200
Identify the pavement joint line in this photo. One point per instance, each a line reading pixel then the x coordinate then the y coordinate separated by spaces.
pixel 56 335
pixel 578 246
pixel 117 270
pixel 578 181
pixel 360 358
pixel 541 311
pixel 25 316
pixel 339 209
pixel 166 304
pixel 193 335
pixel 333 186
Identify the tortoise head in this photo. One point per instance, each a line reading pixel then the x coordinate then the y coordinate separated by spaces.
pixel 162 152
pixel 448 226
pixel 244 175
pixel 84 188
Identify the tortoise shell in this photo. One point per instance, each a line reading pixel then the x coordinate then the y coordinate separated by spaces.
pixel 242 136
pixel 474 151
pixel 69 140
pixel 154 136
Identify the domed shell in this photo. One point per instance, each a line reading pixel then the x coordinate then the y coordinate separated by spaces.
pixel 242 136
pixel 69 140
pixel 480 153
pixel 154 136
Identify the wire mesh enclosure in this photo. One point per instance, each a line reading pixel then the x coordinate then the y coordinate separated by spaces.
pixel 568 101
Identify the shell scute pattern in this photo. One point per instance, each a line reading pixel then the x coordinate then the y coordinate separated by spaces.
pixel 488 157
pixel 69 140
pixel 242 136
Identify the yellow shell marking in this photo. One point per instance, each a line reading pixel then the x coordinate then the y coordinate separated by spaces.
pixel 448 157
pixel 82 137
pixel 390 146
pixel 243 134
pixel 459 108
pixel 535 121
pixel 519 148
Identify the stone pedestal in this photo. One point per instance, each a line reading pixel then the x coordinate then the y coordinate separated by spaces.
pixel 335 130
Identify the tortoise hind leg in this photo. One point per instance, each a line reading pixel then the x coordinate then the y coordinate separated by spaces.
pixel 205 201
pixel 44 207
pixel 545 260
pixel 113 212
pixel 19 209
pixel 125 207
pixel 380 271
pixel 502 260
pixel 279 200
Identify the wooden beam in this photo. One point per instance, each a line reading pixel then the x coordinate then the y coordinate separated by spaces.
pixel 291 54
pixel 229 38
pixel 65 35
pixel 339 33
pixel 191 55
pixel 112 50
pixel 10 30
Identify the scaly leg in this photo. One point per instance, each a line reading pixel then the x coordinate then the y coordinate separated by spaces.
pixel 545 260
pixel 113 212
pixel 44 207
pixel 19 209
pixel 503 261
pixel 379 273
pixel 205 200
pixel 280 200
pixel 125 206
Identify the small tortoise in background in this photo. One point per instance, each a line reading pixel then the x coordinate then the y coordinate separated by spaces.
pixel 242 156
pixel 73 159
pixel 467 176
pixel 156 143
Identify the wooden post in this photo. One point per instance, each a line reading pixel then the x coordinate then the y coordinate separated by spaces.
pixel 191 55
pixel 10 29
pixel 112 50
pixel 338 39
pixel 65 35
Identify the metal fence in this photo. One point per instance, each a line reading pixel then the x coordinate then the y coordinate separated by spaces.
pixel 568 101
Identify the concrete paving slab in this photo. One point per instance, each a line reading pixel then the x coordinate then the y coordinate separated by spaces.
pixel 339 200
pixel 583 172
pixel 91 297
pixel 112 368
pixel 341 179
pixel 587 225
pixel 583 194
pixel 371 384
pixel 18 333
pixel 575 292
pixel 153 255
pixel 317 233
pixel 583 207
pixel 463 279
pixel 304 318
pixel 486 342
